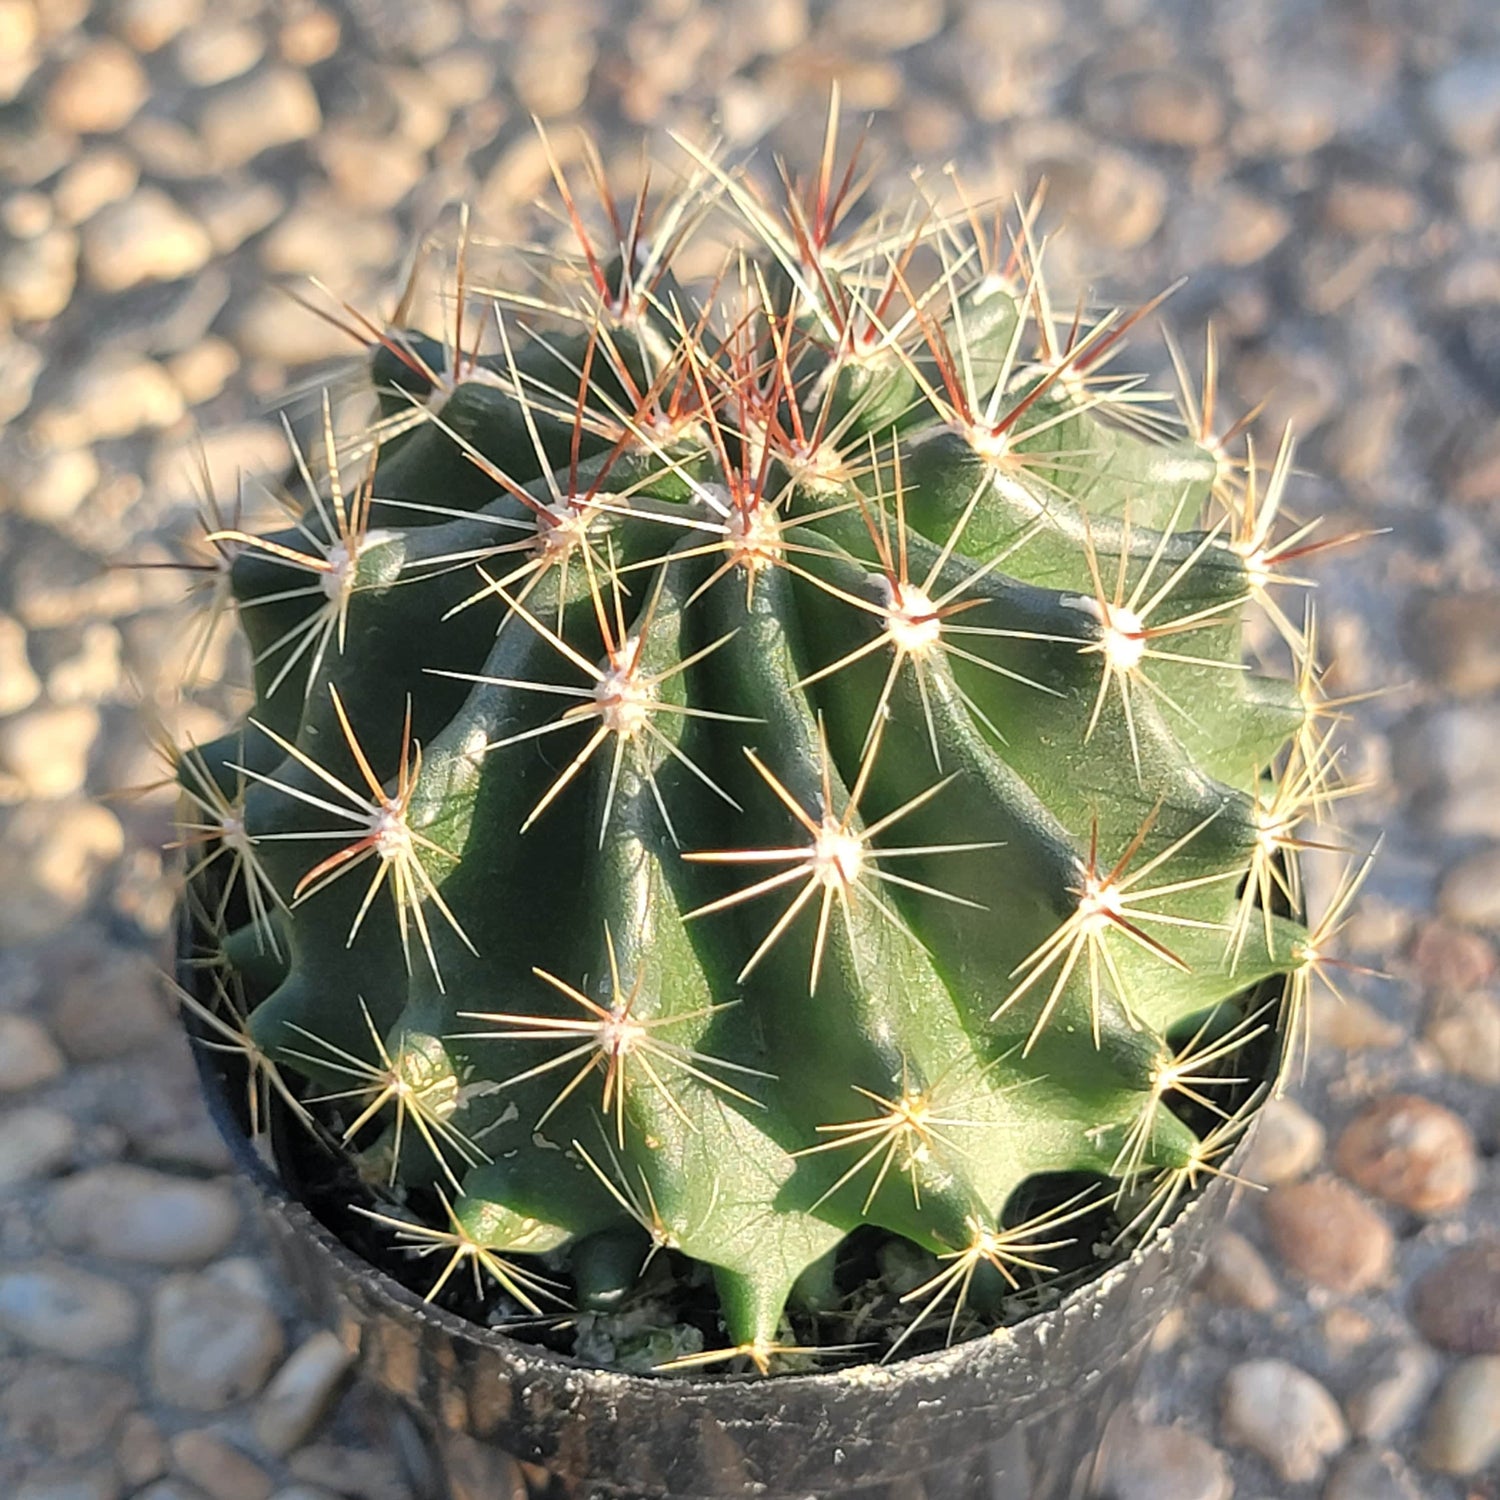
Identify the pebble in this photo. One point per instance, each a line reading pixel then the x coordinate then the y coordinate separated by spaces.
pixel 34 1142
pixel 204 370
pixel 1293 111
pixel 112 396
pixel 99 90
pixel 19 685
pixel 1453 637
pixel 158 1106
pixel 130 1213
pixel 53 487
pixel 1365 1475
pixel 18 30
pixel 145 238
pixel 28 1056
pixel 1452 958
pixel 65 1410
pixel 368 172
pixel 301 1392
pixel 1288 1143
pixel 95 1482
pixel 170 1489
pixel 1456 1304
pixel 102 176
pixel 1410 1152
pixel 168 148
pixel 1470 891
pixel 90 1030
pixel 1248 227
pixel 319 236
pixel 1462 1433
pixel 1464 1031
pixel 1329 1235
pixel 234 209
pixel 47 748
pixel 1370 208
pixel 218 51
pixel 271 326
pixel 60 852
pixel 90 674
pixel 275 107
pixel 1284 1415
pixel 25 215
pixel 37 276
pixel 218 1468
pixel 1464 103
pixel 1236 1274
pixel 1143 1462
pixel 211 1344
pixel 1353 1025
pixel 1476 186
pixel 55 1307
pixel 140 1450
pixel 309 36
pixel 19 368
pixel 148 25
pixel 1160 108
pixel 1125 201
pixel 1472 468
pixel 1390 1391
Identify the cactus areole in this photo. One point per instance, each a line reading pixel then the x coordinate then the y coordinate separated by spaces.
pixel 760 847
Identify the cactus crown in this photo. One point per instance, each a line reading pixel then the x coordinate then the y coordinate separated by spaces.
pixel 755 831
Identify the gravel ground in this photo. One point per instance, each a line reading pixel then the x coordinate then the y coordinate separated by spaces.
pixel 1330 175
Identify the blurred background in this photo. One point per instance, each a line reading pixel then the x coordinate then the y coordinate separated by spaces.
pixel 1327 174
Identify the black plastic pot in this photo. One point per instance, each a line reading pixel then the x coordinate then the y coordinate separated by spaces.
pixel 1017 1415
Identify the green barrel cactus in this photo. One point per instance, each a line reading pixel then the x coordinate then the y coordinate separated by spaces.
pixel 756 834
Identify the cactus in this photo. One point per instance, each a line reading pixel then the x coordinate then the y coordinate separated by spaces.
pixel 755 822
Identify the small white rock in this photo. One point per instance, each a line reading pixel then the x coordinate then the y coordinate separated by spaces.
pixel 1236 1273
pixel 129 1213
pixel 1143 1462
pixel 1285 1415
pixel 1288 1144
pixel 272 108
pixel 34 1142
pixel 97 1481
pixel 19 685
pixel 102 176
pixel 1464 102
pixel 59 850
pixel 150 24
pixel 99 90
pixel 211 1344
pixel 113 396
pixel 218 1467
pixel 47 748
pixel 218 51
pixel 1391 1391
pixel 1463 1426
pixel 145 238
pixel 37 276
pixel 52 489
pixel 65 1311
pixel 1366 1475
pixel 291 1407
pixel 28 1056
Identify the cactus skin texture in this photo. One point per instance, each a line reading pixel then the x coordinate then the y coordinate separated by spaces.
pixel 736 767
